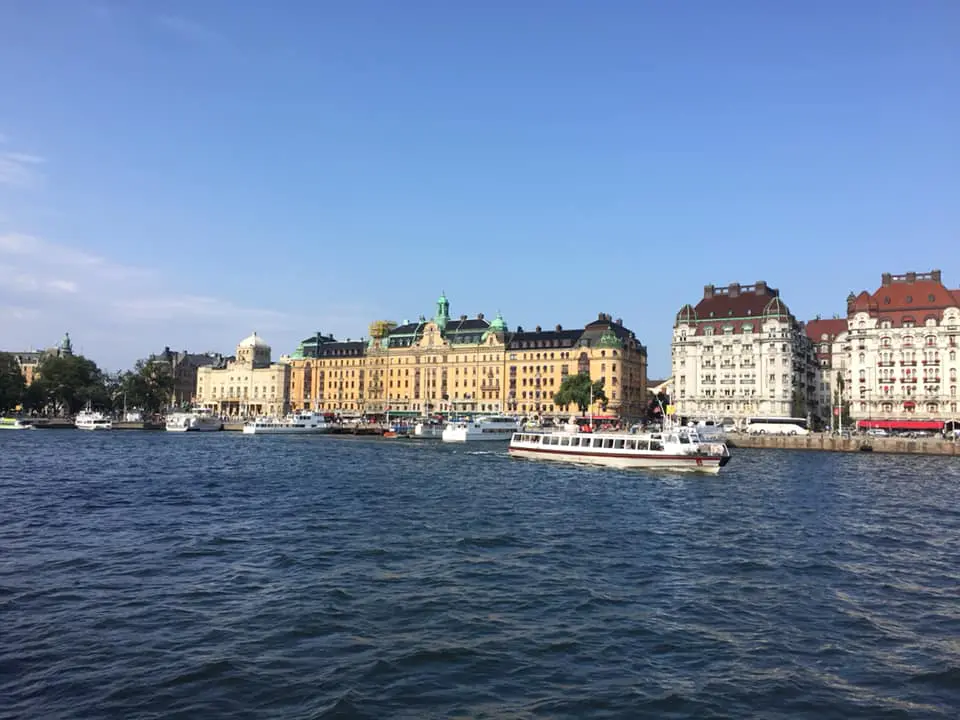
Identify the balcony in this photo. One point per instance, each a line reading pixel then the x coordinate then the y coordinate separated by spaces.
pixel 886 363
pixel 747 381
pixel 728 381
pixel 931 362
pixel 908 363
pixel 911 380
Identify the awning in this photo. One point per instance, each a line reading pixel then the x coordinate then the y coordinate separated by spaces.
pixel 901 424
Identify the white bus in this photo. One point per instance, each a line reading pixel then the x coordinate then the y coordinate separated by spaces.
pixel 777 426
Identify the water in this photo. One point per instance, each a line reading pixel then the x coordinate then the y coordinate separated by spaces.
pixel 149 575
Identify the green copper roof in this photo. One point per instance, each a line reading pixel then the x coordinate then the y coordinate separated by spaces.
pixel 609 339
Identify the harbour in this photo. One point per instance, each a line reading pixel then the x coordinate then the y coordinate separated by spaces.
pixel 325 577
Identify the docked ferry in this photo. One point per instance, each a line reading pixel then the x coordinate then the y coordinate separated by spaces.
pixel 487 428
pixel 673 448
pixel 9 423
pixel 299 423
pixel 90 420
pixel 195 421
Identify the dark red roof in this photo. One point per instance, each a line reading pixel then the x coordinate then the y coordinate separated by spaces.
pixel 911 295
pixel 831 327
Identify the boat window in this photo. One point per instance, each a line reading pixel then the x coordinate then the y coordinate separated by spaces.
pixel 597 442
pixel 684 440
pixel 565 441
pixel 672 439
pixel 656 445
pixel 608 443
pixel 630 444
pixel 618 444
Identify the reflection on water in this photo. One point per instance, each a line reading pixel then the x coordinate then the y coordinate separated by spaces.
pixel 159 575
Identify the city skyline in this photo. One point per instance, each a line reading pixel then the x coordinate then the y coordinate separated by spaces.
pixel 183 176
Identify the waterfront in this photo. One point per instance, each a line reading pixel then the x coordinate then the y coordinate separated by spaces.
pixel 212 575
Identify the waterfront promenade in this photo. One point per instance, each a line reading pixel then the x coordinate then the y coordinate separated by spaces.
pixel 858 443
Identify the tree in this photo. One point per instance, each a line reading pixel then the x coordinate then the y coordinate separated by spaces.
pixel 575 390
pixel 12 383
pixel 149 386
pixel 72 381
pixel 36 397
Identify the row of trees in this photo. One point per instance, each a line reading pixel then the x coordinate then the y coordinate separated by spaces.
pixel 63 385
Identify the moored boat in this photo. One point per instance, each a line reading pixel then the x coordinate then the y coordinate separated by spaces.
pixel 199 420
pixel 299 423
pixel 90 420
pixel 428 430
pixel 10 423
pixel 673 448
pixel 487 428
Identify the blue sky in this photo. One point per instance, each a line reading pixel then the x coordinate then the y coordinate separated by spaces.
pixel 181 173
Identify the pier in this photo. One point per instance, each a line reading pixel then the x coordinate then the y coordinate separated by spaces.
pixel 831 443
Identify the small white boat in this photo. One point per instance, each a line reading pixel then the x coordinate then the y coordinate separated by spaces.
pixel 673 448
pixel 428 430
pixel 195 421
pixel 299 423
pixel 487 428
pixel 90 420
pixel 9 423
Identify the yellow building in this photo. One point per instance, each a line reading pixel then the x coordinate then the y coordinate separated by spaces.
pixel 328 375
pixel 538 361
pixel 248 385
pixel 447 365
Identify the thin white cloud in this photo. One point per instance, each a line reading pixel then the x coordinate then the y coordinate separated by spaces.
pixel 187 29
pixel 20 170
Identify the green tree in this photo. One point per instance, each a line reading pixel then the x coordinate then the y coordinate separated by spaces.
pixel 575 390
pixel 149 386
pixel 12 382
pixel 72 381
pixel 36 397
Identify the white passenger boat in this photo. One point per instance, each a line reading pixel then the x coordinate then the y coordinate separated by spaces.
pixel 199 420
pixel 428 430
pixel 90 420
pixel 486 428
pixel 673 448
pixel 9 423
pixel 302 422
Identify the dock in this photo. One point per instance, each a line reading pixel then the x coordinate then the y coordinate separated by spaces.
pixel 832 443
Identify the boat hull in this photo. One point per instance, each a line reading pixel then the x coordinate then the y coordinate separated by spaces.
pixel 652 461
pixel 460 435
pixel 247 430
pixel 198 427
pixel 97 427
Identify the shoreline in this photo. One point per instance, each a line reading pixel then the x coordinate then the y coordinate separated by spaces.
pixel 829 443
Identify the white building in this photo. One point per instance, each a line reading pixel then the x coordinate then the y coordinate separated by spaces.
pixel 248 385
pixel 903 352
pixel 741 353
pixel 831 346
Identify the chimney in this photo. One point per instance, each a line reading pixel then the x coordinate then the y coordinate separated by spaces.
pixel 620 321
pixel 935 275
pixel 707 292
pixel 599 316
pixel 519 328
pixel 479 316
pixel 538 328
pixel 911 277
pixel 760 287
pixel 886 280
pixel 559 327
pixel 733 290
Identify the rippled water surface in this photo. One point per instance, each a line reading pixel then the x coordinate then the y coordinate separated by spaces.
pixel 149 575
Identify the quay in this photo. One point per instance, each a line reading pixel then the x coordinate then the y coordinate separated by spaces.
pixel 366 429
pixel 831 443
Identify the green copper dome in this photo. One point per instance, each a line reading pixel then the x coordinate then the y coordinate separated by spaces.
pixel 498 323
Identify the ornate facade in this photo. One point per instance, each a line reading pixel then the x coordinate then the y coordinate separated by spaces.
pixel 183 367
pixel 247 385
pixel 741 353
pixel 444 364
pixel 902 356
